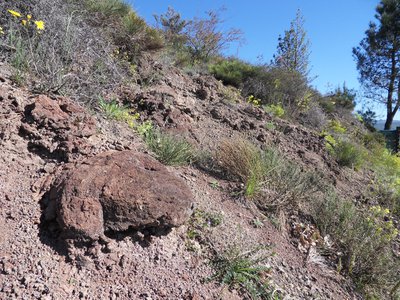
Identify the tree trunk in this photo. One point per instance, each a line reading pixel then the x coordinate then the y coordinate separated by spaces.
pixel 389 120
pixel 389 103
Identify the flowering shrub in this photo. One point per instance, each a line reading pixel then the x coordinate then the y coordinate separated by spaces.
pixel 28 20
pixel 380 223
pixel 330 141
pixel 336 127
pixel 253 100
pixel 23 38
pixel 276 110
pixel 115 111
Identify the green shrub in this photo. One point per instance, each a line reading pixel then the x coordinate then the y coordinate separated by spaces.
pixel 373 140
pixel 270 125
pixel 115 111
pixel 243 271
pixel 144 128
pixel 386 167
pixel 139 31
pixel 336 127
pixel 230 94
pixel 340 98
pixel 349 154
pixel 275 109
pixel 271 180
pixel 232 71
pixel 130 32
pixel 287 185
pixel 134 24
pixel 253 100
pixel 274 85
pixel 330 142
pixel 109 8
pixel 365 240
pixel 169 149
pixel 332 214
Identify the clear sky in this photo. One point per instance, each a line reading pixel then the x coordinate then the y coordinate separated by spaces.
pixel 333 27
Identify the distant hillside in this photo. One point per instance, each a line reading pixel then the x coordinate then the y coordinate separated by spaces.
pixel 380 124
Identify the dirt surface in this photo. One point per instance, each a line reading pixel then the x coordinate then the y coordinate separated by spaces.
pixel 35 263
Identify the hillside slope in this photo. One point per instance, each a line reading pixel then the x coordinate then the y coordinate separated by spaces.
pixel 87 211
pixel 35 264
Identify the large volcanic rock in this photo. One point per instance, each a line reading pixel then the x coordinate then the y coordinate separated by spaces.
pixel 116 191
pixel 57 128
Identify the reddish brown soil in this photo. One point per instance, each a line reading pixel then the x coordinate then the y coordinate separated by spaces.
pixel 36 264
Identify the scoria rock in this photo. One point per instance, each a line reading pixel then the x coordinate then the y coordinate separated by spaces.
pixel 117 191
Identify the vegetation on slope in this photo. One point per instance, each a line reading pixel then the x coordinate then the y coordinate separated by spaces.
pixel 49 47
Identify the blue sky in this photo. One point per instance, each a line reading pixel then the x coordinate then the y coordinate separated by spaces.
pixel 333 27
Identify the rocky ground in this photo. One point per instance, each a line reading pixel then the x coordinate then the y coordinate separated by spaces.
pixel 44 255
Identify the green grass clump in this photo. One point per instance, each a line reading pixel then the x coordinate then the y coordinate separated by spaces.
pixel 242 161
pixel 266 172
pixel 108 8
pixel 288 183
pixel 243 271
pixel 114 110
pixel 276 110
pixel 169 149
pixel 349 154
pixel 336 127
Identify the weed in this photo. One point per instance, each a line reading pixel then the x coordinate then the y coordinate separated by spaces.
pixel 349 154
pixel 252 185
pixel 244 271
pixel 239 158
pixel 270 126
pixel 169 149
pixel 276 110
pixel 200 222
pixel 253 100
pixel 268 177
pixel 284 182
pixel 215 185
pixel 336 127
pixel 144 128
pixel 257 223
pixel 108 8
pixel 113 110
pixel 230 94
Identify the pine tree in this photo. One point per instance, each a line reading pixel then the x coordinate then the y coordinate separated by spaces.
pixel 172 25
pixel 378 58
pixel 293 51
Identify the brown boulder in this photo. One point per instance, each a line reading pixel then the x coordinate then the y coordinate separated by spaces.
pixel 117 191
pixel 57 128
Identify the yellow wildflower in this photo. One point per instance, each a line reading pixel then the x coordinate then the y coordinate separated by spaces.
pixel 39 25
pixel 28 17
pixel 14 13
pixel 1 30
pixel 24 22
